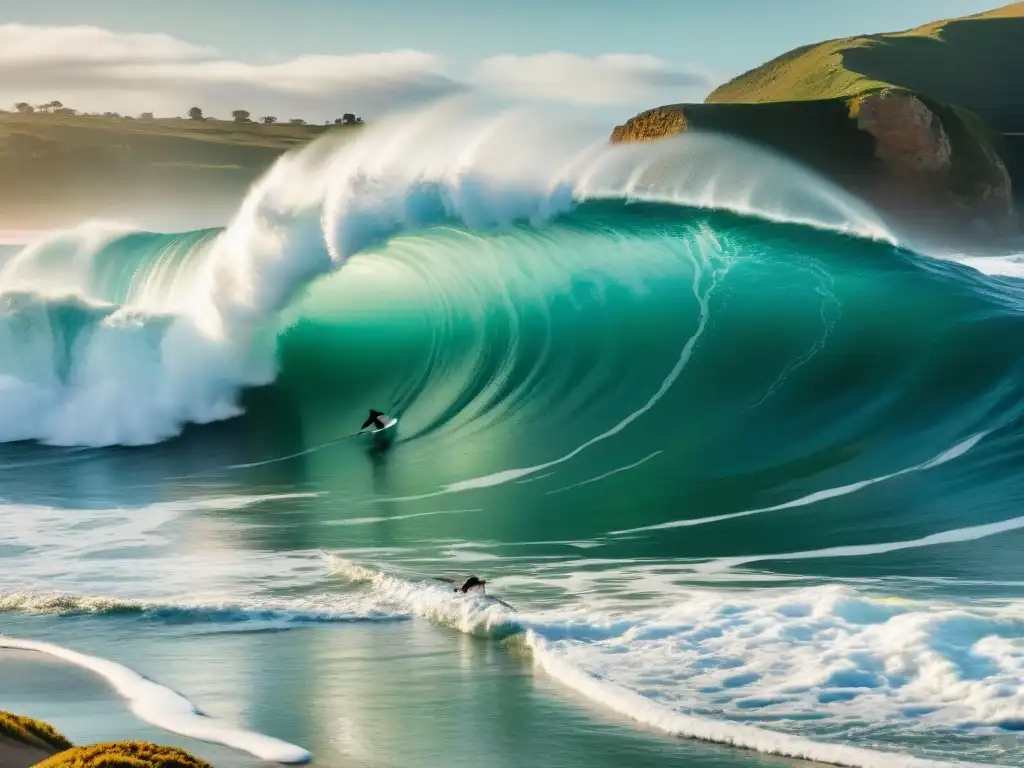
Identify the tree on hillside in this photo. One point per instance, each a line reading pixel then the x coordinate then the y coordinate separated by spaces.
pixel 196 114
pixel 241 116
pixel 24 107
pixel 297 121
pixel 55 106
pixel 269 120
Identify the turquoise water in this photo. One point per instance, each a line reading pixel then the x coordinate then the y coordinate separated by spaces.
pixel 742 459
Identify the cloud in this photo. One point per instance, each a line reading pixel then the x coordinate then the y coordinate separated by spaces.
pixel 99 70
pixel 612 79
pixel 95 69
pixel 24 44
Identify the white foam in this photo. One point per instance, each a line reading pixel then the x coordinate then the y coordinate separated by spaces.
pixel 955 452
pixel 166 708
pixel 825 664
pixel 430 600
pixel 83 532
pixel 283 612
pixel 604 475
pixel 954 536
pixel 1001 266
pixel 395 518
pixel 642 710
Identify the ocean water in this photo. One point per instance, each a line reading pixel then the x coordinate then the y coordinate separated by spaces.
pixel 741 460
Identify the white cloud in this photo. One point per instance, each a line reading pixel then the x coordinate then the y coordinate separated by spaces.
pixel 25 44
pixel 612 79
pixel 96 69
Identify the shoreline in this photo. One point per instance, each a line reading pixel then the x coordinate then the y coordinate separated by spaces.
pixel 398 694
pixel 85 709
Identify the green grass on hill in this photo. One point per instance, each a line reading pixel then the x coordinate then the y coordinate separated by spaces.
pixel 975 62
pixel 29 731
pixel 966 70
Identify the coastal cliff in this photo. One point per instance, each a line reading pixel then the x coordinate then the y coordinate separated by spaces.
pixel 916 122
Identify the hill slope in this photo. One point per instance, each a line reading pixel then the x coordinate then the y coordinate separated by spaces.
pixel 57 170
pixel 975 62
pixel 919 122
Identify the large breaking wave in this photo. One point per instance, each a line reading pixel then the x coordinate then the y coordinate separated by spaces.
pixel 117 337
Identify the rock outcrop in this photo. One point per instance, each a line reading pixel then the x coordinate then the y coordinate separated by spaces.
pixel 909 137
pixel 651 125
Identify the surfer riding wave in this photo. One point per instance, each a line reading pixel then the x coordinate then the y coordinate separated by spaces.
pixel 377 419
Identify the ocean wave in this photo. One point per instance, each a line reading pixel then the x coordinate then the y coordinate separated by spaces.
pixel 193 316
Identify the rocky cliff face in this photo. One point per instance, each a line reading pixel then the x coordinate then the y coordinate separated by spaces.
pixel 919 160
pixel 653 124
pixel 909 137
pixel 910 157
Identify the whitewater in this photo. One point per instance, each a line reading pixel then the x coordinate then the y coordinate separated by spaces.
pixel 739 452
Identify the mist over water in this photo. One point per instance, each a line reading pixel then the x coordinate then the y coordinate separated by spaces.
pixel 744 463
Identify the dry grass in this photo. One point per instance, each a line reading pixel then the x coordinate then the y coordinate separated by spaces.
pixel 31 732
pixel 123 754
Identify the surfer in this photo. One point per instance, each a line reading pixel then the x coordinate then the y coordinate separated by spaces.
pixel 471 583
pixel 377 419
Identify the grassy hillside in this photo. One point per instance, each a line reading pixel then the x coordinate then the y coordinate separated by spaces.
pixel 975 62
pixel 921 123
pixel 56 170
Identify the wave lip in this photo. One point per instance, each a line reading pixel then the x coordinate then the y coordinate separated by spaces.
pixel 168 709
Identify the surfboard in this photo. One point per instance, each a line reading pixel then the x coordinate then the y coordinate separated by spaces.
pixel 482 597
pixel 385 436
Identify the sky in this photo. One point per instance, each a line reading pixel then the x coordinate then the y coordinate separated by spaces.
pixel 319 58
